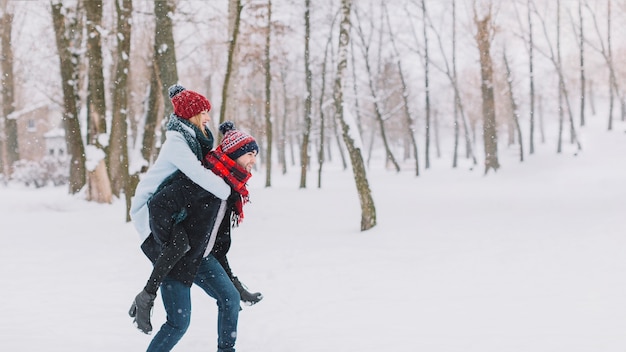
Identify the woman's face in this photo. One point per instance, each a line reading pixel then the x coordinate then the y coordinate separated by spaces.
pixel 201 119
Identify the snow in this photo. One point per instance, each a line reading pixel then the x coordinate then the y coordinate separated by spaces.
pixel 530 258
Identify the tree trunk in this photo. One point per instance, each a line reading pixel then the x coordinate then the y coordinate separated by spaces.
pixel 351 137
pixel 592 102
pixel 282 139
pixel 490 137
pixel 9 141
pixel 515 115
pixel 304 150
pixel 268 98
pixel 165 52
pixel 531 75
pixel 99 185
pixel 68 61
pixel 609 59
pixel 426 92
pixel 409 120
pixel 235 19
pixel 455 154
pixel 581 40
pixel 563 94
pixel 359 119
pixel 321 108
pixel 118 142
pixel 154 112
pixel 606 52
pixel 613 76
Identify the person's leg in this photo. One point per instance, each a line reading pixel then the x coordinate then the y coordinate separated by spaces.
pixel 171 253
pixel 177 301
pixel 167 244
pixel 214 281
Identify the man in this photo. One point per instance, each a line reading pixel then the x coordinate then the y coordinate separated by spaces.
pixel 187 218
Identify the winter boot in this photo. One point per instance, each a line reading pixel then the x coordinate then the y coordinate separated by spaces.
pixel 246 297
pixel 141 310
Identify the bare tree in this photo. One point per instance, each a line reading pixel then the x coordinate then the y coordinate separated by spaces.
pixel 234 16
pixel 322 106
pixel 409 120
pixel 484 38
pixel 581 48
pixel 268 95
pixel 563 97
pixel 8 131
pixel 426 89
pixel 376 98
pixel 451 74
pixel 607 53
pixel 531 76
pixel 304 150
pixel 118 142
pixel 514 109
pixel 529 45
pixel 165 51
pixel 67 34
pixel 350 136
pixel 154 109
pixel 98 182
pixel 282 136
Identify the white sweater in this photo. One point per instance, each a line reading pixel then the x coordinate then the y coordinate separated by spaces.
pixel 175 155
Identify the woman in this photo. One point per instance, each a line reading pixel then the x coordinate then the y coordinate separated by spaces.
pixel 187 142
pixel 233 161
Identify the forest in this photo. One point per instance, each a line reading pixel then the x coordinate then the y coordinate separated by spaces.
pixel 354 82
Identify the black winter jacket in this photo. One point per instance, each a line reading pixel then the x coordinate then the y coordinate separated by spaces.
pixel 182 201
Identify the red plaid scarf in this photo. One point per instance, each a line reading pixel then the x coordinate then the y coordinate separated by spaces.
pixel 235 175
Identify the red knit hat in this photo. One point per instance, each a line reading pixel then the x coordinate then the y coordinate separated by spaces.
pixel 187 103
pixel 235 142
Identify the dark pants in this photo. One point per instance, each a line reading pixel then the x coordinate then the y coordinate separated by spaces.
pixel 176 297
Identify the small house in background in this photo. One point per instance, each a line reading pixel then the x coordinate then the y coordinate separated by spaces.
pixel 38 132
pixel 55 143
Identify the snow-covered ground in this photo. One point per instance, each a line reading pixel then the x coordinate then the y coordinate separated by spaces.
pixel 529 259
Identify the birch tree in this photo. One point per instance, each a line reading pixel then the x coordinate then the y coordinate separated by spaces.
pixel 349 131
